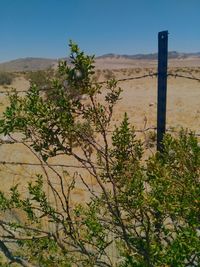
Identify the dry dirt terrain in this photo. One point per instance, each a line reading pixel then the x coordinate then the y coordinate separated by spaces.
pixel 139 100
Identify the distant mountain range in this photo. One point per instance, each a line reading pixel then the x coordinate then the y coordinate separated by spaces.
pixel 153 56
pixel 33 64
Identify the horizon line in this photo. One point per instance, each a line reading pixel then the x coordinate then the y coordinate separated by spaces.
pixel 106 54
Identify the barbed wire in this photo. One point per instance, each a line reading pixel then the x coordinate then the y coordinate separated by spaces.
pixel 46 165
pixel 175 75
pixel 103 82
pixel 132 78
pixel 74 166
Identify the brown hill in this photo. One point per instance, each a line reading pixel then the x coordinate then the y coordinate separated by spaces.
pixel 27 64
pixel 108 61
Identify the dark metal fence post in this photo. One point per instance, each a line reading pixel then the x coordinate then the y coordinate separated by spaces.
pixel 162 86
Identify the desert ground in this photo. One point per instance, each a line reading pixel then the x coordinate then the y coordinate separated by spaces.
pixel 138 99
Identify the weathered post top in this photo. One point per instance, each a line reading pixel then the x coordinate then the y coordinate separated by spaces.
pixel 162 51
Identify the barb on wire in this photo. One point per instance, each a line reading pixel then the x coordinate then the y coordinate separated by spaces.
pixel 146 129
pixel 183 76
pixel 132 78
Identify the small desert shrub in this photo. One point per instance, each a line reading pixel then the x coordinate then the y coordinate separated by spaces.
pixel 6 78
pixel 97 75
pixel 109 75
pixel 150 139
pixel 131 72
pixel 40 78
pixel 137 70
pixel 124 71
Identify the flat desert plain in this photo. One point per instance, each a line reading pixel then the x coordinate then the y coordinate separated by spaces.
pixel 138 99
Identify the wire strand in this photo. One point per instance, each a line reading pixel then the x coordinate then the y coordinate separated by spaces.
pixel 47 165
pixel 103 82
pixel 183 76
pixel 175 75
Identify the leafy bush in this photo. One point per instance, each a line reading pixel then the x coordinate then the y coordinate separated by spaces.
pixel 6 78
pixel 146 211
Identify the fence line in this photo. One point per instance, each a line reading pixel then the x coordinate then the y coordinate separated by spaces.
pixel 103 82
pixel 175 75
pixel 170 74
pixel 11 141
pixel 71 166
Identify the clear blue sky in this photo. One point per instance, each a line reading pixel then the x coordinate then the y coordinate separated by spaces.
pixel 42 28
